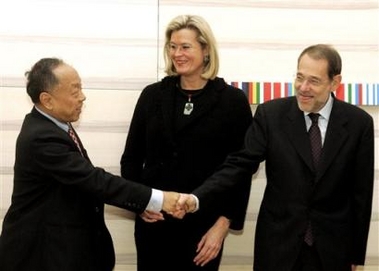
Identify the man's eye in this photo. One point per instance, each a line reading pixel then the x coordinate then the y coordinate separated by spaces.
pixel 314 82
pixel 300 78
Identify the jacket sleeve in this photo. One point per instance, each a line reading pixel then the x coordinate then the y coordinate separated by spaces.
pixel 363 192
pixel 237 199
pixel 54 157
pixel 235 174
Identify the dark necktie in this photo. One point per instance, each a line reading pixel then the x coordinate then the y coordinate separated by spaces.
pixel 316 147
pixel 74 137
pixel 315 139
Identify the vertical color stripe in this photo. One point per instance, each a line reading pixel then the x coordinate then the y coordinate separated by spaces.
pixel 267 91
pixel 277 88
pixel 354 93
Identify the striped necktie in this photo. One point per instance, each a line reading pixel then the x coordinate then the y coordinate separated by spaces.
pixel 316 147
pixel 73 136
pixel 315 139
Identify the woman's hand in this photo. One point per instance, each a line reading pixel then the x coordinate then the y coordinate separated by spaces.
pixel 211 243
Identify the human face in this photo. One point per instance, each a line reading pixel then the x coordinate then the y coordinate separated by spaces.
pixel 312 84
pixel 186 53
pixel 67 97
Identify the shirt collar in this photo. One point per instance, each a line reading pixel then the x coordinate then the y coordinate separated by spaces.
pixel 326 110
pixel 64 126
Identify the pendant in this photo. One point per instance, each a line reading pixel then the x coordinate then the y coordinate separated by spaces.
pixel 188 107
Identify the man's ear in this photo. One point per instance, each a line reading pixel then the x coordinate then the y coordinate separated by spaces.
pixel 45 100
pixel 336 82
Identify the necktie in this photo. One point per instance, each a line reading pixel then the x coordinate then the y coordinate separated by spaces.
pixel 315 139
pixel 316 147
pixel 74 137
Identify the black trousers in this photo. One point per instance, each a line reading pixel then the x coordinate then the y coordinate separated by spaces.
pixel 170 245
pixel 308 260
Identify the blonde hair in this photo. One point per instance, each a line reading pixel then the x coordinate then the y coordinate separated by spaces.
pixel 204 36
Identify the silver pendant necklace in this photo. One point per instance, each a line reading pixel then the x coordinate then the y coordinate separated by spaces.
pixel 188 107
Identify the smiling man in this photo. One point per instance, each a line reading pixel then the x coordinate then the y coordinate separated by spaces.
pixel 56 219
pixel 315 213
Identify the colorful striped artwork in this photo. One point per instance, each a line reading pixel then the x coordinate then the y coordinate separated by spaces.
pixel 354 93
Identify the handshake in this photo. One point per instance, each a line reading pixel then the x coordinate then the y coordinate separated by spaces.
pixel 175 204
pixel 178 204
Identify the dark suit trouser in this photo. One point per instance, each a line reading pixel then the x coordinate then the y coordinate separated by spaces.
pixel 308 260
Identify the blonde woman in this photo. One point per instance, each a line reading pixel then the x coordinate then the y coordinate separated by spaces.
pixel 182 129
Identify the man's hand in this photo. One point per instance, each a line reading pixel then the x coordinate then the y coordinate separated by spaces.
pixel 187 202
pixel 170 200
pixel 151 216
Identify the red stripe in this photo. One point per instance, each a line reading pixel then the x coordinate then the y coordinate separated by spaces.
pixel 267 91
pixel 360 94
pixel 277 87
pixel 340 92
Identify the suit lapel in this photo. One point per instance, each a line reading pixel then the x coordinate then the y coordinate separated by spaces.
pixel 82 149
pixel 60 130
pixel 336 135
pixel 296 130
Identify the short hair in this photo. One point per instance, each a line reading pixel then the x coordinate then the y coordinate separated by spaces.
pixel 327 52
pixel 204 36
pixel 41 77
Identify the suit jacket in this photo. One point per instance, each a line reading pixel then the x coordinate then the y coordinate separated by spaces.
pixel 337 200
pixel 56 221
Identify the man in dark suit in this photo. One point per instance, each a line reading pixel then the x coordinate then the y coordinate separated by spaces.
pixel 312 216
pixel 56 220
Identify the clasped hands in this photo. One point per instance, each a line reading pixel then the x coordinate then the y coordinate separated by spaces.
pixel 178 204
pixel 175 204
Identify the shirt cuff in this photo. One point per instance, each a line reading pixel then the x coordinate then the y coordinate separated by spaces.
pixel 197 203
pixel 156 201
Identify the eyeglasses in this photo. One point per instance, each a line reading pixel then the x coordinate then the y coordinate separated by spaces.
pixel 185 47
pixel 313 81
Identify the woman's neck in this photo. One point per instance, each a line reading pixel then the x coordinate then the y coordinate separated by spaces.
pixel 192 84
